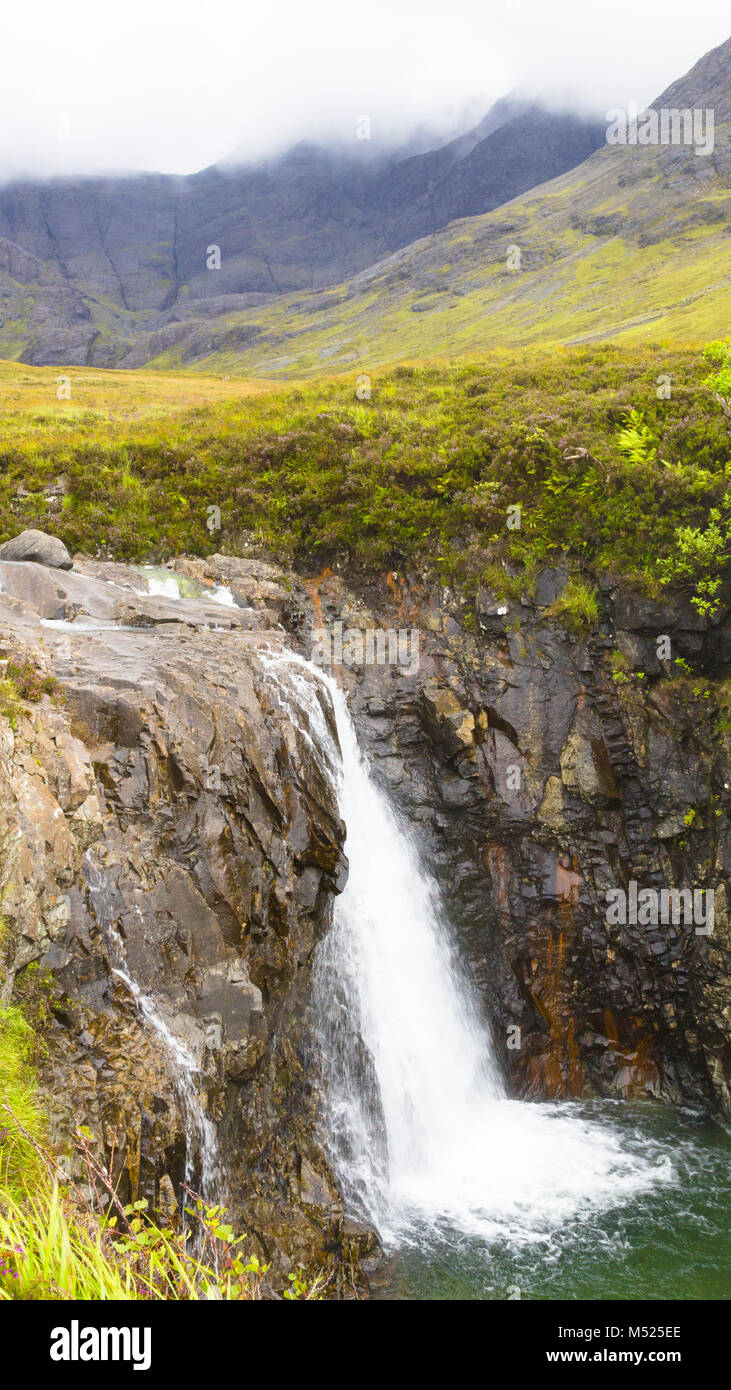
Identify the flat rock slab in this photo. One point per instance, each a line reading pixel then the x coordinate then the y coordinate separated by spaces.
pixel 78 597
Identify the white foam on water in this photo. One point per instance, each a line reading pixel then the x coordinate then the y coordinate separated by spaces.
pixel 222 594
pixel 164 585
pixel 64 625
pixel 167 585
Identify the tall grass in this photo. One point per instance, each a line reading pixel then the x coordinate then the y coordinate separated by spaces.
pixel 422 474
pixel 20 1120
pixel 577 606
pixel 60 1240
pixel 53 1248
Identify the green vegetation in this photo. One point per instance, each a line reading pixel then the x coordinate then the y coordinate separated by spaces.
pixel 577 606
pixel 701 554
pixel 718 354
pixel 53 1246
pixel 723 696
pixel 28 681
pixel 56 1243
pixel 11 705
pixel 636 441
pixel 604 468
pixel 619 666
pixel 21 681
pixel 20 1119
pixel 701 558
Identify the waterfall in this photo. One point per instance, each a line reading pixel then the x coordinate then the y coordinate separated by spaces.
pixel 201 1138
pixel 418 1124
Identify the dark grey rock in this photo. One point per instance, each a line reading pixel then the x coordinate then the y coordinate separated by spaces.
pixel 550 584
pixel 39 547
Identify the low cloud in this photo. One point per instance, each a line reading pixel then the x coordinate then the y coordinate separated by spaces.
pixel 173 88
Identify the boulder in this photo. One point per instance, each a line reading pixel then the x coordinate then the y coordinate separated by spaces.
pixel 37 546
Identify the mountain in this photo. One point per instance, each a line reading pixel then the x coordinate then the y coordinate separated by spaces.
pixel 106 270
pixel 331 258
pixel 634 242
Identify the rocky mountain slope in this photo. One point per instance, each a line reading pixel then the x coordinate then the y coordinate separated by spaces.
pixel 631 244
pixel 88 266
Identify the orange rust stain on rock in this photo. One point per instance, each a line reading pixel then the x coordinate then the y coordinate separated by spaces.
pixel 557 1070
pixel 313 588
pixel 568 883
pixel 637 1072
pixel 610 1027
pixel 499 865
pixel 405 595
pixel 395 585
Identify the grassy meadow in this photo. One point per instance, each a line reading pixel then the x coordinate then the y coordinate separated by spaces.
pixel 617 458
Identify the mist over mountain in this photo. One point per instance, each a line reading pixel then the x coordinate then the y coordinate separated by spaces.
pixel 231 264
pixel 632 242
pixel 85 264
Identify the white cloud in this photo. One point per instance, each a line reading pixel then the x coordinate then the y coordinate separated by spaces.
pixel 170 85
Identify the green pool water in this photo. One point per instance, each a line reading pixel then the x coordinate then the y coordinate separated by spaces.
pixel 670 1242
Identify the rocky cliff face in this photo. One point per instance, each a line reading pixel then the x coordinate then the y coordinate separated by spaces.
pixel 170 851
pixel 544 771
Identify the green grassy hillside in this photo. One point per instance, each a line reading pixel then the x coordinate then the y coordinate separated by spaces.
pixel 605 468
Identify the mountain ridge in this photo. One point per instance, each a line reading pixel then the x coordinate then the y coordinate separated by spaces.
pixel 631 243
pixel 86 265
pixel 325 263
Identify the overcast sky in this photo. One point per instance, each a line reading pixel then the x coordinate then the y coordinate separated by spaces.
pixel 175 86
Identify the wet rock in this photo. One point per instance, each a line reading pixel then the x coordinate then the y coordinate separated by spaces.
pixel 586 767
pixel 550 585
pixel 562 785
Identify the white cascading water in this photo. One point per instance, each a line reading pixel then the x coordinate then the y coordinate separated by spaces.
pixel 167 585
pixel 201 1138
pixel 420 1129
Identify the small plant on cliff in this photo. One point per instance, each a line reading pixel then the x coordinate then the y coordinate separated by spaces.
pixel 619 666
pixel 11 705
pixel 303 1289
pixel 718 354
pixel 30 683
pixel 701 558
pixel 577 606
pixel 723 697
pixel 59 1242
pixel 22 680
